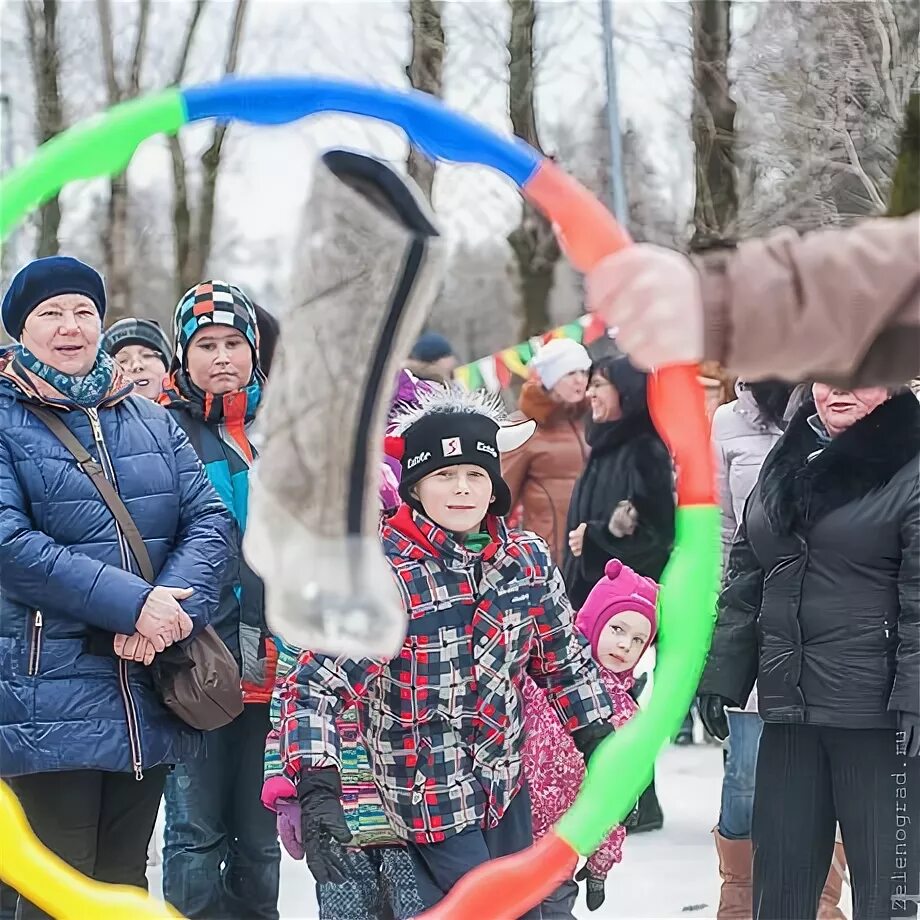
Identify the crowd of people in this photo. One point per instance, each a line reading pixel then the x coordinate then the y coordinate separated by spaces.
pixel 393 778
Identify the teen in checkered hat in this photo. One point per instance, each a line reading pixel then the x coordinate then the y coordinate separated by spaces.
pixel 442 719
pixel 213 390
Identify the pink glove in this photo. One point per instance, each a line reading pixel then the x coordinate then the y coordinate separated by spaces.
pixel 280 796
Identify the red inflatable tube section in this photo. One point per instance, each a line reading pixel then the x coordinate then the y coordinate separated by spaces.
pixel 508 887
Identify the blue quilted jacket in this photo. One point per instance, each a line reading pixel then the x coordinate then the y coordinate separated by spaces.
pixel 66 702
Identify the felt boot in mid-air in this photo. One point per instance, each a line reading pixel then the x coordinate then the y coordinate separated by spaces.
pixel 370 266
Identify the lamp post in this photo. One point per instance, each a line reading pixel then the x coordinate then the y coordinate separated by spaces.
pixel 618 202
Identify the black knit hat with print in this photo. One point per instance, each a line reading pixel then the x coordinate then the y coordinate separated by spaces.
pixel 441 439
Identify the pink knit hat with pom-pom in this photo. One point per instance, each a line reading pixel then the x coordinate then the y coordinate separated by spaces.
pixel 620 589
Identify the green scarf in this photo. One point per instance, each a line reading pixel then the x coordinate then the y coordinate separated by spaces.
pixel 477 542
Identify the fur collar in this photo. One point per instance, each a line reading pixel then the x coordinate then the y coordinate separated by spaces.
pixel 537 404
pixel 797 493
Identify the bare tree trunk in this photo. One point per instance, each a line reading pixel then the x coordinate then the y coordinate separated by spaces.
pixel 116 234
pixel 533 241
pixel 117 254
pixel 194 226
pixel 426 73
pixel 210 159
pixel 715 208
pixel 182 214
pixel 41 22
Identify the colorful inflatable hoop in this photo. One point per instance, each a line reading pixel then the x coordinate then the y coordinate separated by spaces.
pixel 622 766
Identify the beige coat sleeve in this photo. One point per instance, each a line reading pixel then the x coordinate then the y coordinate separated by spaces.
pixel 839 306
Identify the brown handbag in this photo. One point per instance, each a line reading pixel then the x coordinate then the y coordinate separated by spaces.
pixel 197 679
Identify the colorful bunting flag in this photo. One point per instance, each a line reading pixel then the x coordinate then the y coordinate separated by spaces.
pixel 495 372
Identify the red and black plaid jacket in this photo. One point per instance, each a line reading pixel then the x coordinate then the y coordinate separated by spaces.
pixel 443 720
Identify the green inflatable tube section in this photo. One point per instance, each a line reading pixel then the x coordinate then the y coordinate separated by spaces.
pixel 99 146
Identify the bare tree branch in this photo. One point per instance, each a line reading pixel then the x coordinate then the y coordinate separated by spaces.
pixel 824 88
pixel 868 184
pixel 236 36
pixel 140 42
pixel 887 59
pixel 190 29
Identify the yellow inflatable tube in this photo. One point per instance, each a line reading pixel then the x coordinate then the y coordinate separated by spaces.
pixel 59 890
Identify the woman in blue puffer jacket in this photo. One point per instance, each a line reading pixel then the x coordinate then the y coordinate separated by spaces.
pixel 84 740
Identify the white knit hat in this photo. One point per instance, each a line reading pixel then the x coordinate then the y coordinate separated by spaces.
pixel 557 358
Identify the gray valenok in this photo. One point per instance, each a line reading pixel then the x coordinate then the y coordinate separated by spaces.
pixel 372 262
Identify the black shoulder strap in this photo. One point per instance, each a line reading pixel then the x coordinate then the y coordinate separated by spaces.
pixel 105 488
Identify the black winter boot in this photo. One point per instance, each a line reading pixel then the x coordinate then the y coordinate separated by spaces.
pixel 650 815
pixel 685 734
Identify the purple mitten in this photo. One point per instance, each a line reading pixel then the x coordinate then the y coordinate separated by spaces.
pixel 279 795
pixel 289 827
pixel 389 486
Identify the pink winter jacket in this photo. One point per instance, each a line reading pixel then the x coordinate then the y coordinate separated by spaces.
pixel 555 769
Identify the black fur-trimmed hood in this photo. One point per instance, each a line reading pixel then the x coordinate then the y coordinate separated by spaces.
pixel 796 493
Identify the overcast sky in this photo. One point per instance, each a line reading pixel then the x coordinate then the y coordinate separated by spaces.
pixel 266 187
pixel 263 190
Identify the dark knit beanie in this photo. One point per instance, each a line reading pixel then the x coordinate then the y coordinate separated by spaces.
pixel 269 333
pixel 441 439
pixel 43 279
pixel 431 347
pixel 215 303
pixel 131 331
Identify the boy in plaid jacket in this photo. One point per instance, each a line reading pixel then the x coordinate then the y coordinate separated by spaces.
pixel 442 720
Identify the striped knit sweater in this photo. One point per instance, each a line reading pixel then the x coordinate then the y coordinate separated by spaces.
pixel 360 800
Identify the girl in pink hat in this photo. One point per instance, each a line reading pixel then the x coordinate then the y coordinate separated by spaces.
pixel 619 621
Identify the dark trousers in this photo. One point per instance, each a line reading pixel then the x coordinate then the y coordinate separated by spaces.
pixel 221 857
pixel 560 905
pixel 809 778
pixel 99 823
pixel 439 866
pixel 8 899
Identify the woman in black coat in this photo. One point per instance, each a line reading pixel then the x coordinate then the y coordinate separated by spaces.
pixel 822 608
pixel 623 503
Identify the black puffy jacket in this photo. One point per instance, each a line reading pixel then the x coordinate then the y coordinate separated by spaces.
pixel 825 577
pixel 628 462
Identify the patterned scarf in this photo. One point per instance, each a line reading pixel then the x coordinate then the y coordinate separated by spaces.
pixel 231 411
pixel 87 391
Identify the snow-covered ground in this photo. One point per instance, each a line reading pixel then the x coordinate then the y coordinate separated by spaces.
pixel 664 874
pixel 671 873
